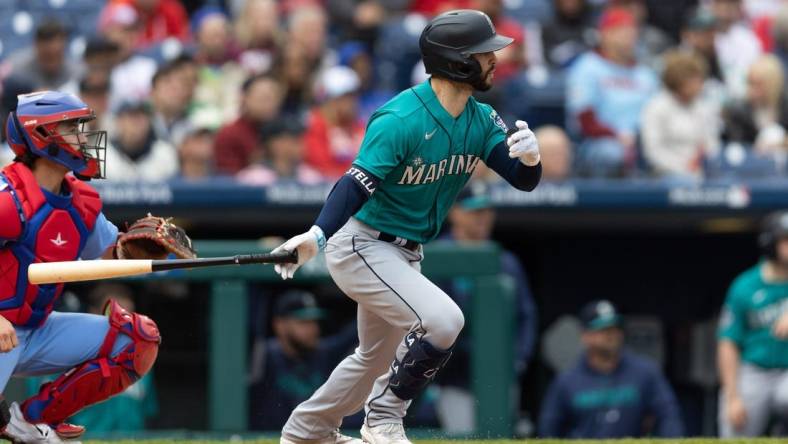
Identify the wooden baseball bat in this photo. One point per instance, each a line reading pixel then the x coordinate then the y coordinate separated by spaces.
pixel 74 271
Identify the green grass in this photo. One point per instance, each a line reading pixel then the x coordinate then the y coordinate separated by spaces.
pixel 529 441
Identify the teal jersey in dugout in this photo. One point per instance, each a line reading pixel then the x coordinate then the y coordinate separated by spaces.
pixel 751 308
pixel 423 158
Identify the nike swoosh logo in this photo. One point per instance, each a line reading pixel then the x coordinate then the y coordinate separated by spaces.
pixel 428 136
pixel 42 432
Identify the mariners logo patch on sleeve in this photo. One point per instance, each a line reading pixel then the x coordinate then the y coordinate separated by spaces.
pixel 498 121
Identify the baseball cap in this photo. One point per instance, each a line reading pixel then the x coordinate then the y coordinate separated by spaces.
pixel 117 14
pixel 336 82
pixel 475 196
pixel 298 304
pixel 599 314
pixel 350 50
pixel 615 17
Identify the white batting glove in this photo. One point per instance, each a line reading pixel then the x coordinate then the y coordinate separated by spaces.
pixel 308 245
pixel 523 145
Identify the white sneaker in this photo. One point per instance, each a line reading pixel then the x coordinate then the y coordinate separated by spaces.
pixel 392 433
pixel 20 431
pixel 334 438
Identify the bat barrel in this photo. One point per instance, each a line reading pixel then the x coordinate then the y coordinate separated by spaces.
pixel 72 271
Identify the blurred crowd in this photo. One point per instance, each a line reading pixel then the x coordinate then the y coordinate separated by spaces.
pixel 266 90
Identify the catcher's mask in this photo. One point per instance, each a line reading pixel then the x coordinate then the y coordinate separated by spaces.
pixel 33 128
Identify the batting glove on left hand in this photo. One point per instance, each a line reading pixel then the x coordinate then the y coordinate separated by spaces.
pixel 523 145
pixel 308 245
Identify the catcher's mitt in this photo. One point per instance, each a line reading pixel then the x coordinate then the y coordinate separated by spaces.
pixel 154 238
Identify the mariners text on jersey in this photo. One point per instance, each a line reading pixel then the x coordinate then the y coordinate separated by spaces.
pixel 422 157
pixel 418 173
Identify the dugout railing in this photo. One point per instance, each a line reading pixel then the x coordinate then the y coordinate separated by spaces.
pixel 491 324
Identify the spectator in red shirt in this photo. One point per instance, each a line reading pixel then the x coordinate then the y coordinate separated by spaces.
pixel 335 129
pixel 236 142
pixel 160 19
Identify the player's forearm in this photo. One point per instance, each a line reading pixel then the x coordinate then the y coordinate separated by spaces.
pixel 513 171
pixel 347 197
pixel 728 363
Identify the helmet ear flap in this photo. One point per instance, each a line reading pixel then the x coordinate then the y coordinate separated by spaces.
pixel 15 135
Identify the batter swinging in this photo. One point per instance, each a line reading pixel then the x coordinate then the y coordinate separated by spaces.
pixel 419 151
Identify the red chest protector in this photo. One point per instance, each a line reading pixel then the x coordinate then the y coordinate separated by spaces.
pixel 38 226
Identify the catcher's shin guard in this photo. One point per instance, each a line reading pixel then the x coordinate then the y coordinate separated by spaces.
pixel 417 368
pixel 102 377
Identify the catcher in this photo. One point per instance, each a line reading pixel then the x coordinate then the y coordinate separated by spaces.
pixel 47 214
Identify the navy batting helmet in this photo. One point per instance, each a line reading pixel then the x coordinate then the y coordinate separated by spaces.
pixel 449 41
pixel 775 227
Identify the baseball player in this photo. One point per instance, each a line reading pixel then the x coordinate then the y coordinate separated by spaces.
pixel 752 350
pixel 419 150
pixel 47 214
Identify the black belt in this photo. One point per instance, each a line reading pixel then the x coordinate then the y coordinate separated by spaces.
pixel 396 240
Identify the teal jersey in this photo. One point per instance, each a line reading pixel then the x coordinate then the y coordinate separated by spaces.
pixel 423 158
pixel 751 308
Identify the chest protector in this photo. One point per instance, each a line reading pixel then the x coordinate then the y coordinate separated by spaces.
pixel 52 228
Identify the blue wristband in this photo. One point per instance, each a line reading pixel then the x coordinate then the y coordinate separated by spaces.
pixel 321 238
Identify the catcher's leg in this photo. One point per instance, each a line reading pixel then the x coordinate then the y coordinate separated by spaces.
pixel 127 352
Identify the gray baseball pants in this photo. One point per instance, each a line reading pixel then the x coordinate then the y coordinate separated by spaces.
pixel 764 393
pixel 393 299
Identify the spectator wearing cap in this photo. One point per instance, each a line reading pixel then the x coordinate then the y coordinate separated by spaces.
pixel 236 142
pixel 555 149
pixel 287 368
pixel 652 41
pixel 134 153
pixel 282 157
pixel 680 129
pixel 569 33
pixel 160 20
pixel 606 92
pixel 335 130
pixel 45 65
pixel 697 36
pixel 472 219
pixel 610 393
pixel 172 92
pixel 131 76
pixel 357 56
pixel 736 45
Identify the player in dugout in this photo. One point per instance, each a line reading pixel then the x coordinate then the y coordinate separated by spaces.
pixel 419 151
pixel 49 213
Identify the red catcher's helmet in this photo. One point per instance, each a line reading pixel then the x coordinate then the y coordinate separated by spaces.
pixel 32 127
